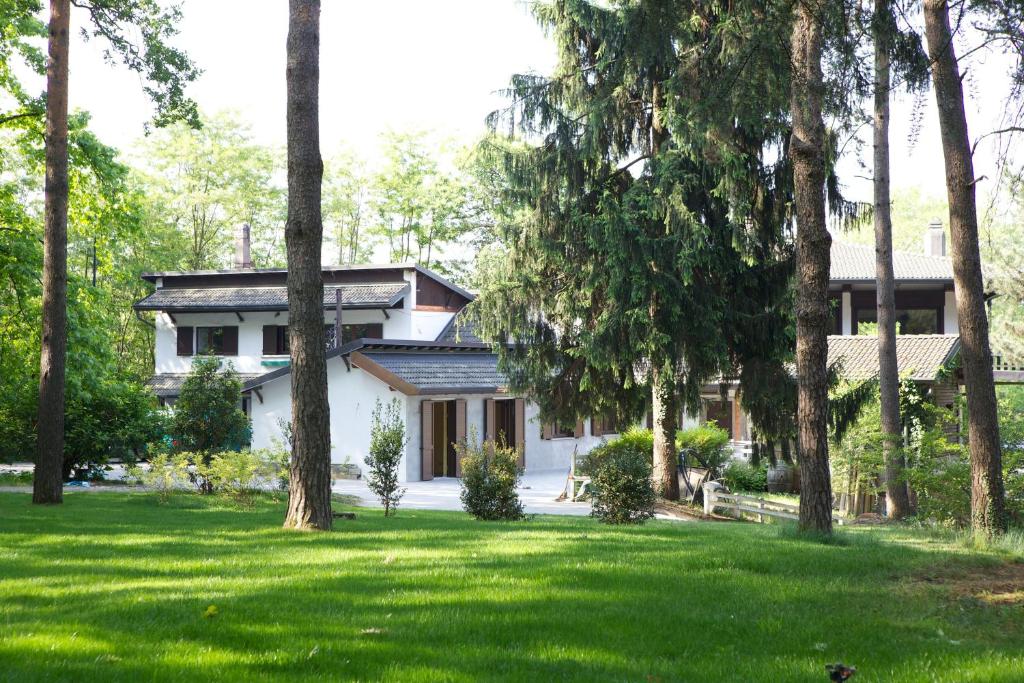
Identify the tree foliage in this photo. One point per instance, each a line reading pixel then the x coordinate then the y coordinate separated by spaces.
pixel 644 211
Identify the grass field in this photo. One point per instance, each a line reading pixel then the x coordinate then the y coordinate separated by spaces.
pixel 117 587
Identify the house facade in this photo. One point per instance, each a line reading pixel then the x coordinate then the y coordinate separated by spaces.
pixel 397 340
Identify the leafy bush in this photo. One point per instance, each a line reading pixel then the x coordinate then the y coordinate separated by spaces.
pixel 620 475
pixel 490 475
pixel 166 473
pixel 10 478
pixel 208 418
pixel 710 442
pixel 387 443
pixel 240 475
pixel 742 476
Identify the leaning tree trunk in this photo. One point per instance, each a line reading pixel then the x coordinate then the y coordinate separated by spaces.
pixel 813 242
pixel 664 408
pixel 988 514
pixel 309 490
pixel 897 498
pixel 48 479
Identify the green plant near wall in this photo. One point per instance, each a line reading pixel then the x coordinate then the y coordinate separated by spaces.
pixel 387 444
pixel 490 476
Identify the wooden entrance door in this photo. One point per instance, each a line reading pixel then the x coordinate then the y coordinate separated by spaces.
pixel 443 424
pixel 505 423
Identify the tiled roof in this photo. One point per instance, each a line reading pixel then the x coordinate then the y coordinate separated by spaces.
pixel 918 356
pixel 852 262
pixel 459 329
pixel 170 384
pixel 456 372
pixel 377 295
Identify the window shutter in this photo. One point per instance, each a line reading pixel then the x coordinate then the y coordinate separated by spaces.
pixel 231 340
pixel 426 440
pixel 596 428
pixel 185 341
pixel 547 431
pixel 460 431
pixel 270 340
pixel 520 408
pixel 578 432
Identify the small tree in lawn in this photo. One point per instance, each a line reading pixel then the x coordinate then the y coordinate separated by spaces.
pixel 207 415
pixel 387 442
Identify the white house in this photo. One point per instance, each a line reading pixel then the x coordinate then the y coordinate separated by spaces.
pixel 398 342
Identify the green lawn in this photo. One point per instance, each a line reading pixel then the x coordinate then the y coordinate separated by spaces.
pixel 116 587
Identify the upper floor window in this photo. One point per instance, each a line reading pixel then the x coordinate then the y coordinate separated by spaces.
pixel 908 321
pixel 209 341
pixel 275 337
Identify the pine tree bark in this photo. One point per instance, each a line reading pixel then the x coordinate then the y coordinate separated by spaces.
pixel 309 490
pixel 664 407
pixel 813 242
pixel 897 497
pixel 47 484
pixel 988 513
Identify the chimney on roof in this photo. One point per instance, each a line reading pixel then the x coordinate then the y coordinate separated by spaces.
pixel 243 256
pixel 935 239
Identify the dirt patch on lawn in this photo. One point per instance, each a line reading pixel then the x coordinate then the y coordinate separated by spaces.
pixel 1001 584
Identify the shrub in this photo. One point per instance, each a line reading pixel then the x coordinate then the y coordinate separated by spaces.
pixel 11 478
pixel 742 476
pixel 387 442
pixel 241 474
pixel 207 416
pixel 620 477
pixel 490 475
pixel 710 442
pixel 166 473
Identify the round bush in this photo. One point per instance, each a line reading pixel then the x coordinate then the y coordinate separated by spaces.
pixel 620 475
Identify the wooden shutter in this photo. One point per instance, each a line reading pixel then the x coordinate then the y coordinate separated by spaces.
pixel 427 440
pixel 489 419
pixel 578 432
pixel 521 430
pixel 547 431
pixel 185 341
pixel 460 431
pixel 270 340
pixel 231 340
pixel 596 428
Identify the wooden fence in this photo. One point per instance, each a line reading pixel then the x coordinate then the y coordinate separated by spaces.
pixel 717 496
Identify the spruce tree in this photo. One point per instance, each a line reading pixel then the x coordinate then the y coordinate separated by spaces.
pixel 644 230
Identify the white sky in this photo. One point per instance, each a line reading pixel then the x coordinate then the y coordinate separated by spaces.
pixel 412 64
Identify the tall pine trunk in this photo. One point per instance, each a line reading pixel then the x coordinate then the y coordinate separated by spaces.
pixel 807 149
pixel 988 513
pixel 664 407
pixel 896 496
pixel 309 490
pixel 663 381
pixel 47 486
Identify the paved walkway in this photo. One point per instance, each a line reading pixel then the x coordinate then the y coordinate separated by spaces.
pixel 538 493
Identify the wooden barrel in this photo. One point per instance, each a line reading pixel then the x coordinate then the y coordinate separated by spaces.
pixel 782 478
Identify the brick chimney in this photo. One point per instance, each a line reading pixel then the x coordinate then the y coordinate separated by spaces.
pixel 243 257
pixel 935 239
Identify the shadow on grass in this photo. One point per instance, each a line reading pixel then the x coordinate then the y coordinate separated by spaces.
pixel 116 587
